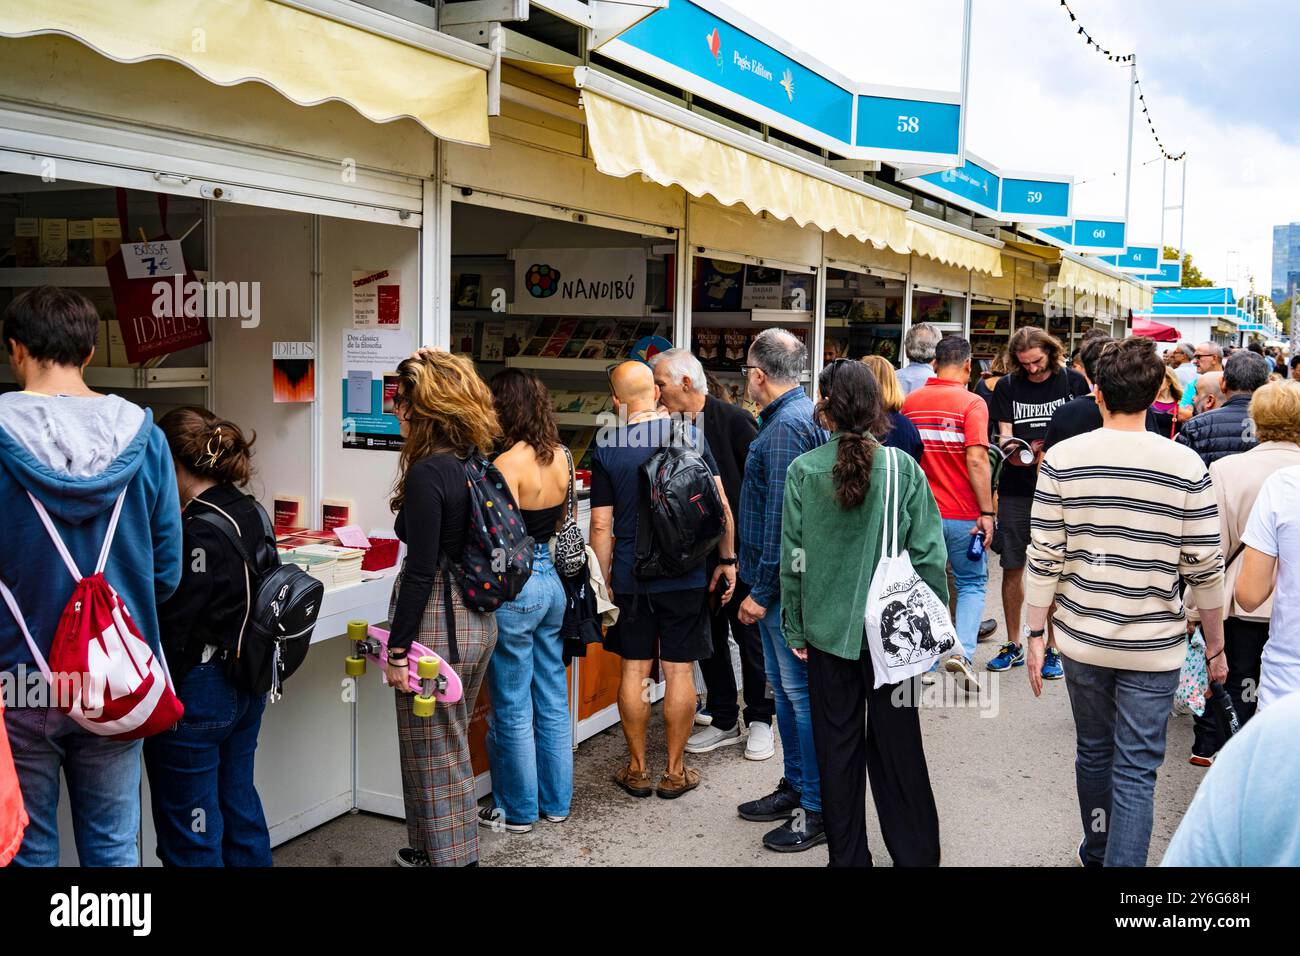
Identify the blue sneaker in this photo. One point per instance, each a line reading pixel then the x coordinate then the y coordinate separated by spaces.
pixel 1052 669
pixel 1011 655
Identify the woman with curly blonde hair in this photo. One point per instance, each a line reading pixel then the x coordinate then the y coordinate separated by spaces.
pixel 446 413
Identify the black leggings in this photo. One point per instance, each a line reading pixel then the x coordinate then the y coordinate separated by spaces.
pixel 859 730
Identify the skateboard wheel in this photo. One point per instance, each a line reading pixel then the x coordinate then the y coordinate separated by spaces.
pixel 427 668
pixel 423 706
pixel 357 630
pixel 354 666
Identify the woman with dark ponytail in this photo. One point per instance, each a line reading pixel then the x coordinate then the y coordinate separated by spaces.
pixel 205 807
pixel 831 534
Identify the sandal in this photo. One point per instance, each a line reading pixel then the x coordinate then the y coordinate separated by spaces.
pixel 635 783
pixel 671 787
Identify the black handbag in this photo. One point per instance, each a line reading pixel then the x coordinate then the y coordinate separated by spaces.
pixel 570 547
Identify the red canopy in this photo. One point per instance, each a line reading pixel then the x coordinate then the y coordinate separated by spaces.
pixel 1154 330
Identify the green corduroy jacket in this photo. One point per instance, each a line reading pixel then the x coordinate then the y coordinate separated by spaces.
pixel 828 554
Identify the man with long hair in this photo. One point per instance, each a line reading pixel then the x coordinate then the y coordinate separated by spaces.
pixel 1023 404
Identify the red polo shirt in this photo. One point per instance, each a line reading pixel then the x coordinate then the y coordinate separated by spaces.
pixel 950 420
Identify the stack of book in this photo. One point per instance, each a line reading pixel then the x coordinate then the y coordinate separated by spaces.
pixel 346 568
pixel 319 566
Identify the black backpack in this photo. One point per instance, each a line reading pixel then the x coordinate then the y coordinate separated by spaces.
pixel 498 557
pixel 283 604
pixel 680 515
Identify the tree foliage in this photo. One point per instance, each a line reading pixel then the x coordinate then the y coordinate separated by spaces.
pixel 1192 278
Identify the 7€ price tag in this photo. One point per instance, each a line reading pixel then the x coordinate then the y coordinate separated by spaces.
pixel 147 260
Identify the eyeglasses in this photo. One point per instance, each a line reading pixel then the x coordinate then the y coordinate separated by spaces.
pixel 1200 355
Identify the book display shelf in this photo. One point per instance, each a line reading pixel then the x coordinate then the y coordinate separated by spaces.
pixel 864 316
pixel 563 300
pixel 731 302
pixel 62 234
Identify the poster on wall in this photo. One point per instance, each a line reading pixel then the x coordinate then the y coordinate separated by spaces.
pixel 605 282
pixel 370 360
pixel 293 372
pixel 376 299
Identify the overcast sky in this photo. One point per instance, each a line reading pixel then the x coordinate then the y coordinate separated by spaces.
pixel 1222 80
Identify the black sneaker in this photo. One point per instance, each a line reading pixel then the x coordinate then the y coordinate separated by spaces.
pixel 802 831
pixel 777 805
pixel 409 857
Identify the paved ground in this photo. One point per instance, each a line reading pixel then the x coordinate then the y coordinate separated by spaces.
pixel 1003 777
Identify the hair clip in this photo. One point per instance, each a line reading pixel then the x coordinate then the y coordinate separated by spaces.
pixel 213 454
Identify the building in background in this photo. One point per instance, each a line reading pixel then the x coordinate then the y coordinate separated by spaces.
pixel 1286 260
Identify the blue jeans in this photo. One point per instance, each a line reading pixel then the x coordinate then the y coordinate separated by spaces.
pixel 205 807
pixel 530 737
pixel 789 679
pixel 971 578
pixel 1120 719
pixel 103 778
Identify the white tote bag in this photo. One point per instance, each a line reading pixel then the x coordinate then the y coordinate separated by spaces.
pixel 907 627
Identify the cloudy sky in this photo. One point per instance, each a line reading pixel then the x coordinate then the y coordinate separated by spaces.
pixel 1222 80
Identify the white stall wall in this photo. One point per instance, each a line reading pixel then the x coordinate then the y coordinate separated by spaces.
pixel 273 249
pixel 363 477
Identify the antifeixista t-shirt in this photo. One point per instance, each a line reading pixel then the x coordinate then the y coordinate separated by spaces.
pixel 1028 406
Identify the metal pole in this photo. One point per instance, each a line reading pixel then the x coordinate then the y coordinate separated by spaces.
pixel 1182 214
pixel 967 13
pixel 1128 165
pixel 1295 327
pixel 1164 176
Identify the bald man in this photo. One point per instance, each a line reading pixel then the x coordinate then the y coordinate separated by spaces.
pixel 660 618
pixel 1209 392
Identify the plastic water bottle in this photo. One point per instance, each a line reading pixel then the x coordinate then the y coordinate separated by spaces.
pixel 1220 696
pixel 976 549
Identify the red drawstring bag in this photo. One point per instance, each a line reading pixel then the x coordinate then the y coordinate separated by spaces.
pixel 103 674
pixel 13 818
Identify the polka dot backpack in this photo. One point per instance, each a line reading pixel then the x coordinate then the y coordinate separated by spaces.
pixel 498 557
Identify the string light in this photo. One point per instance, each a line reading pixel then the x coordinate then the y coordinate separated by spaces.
pixel 1124 58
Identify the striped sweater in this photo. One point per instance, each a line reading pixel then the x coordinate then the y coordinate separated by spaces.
pixel 1118 517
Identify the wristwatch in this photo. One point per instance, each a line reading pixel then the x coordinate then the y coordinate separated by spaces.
pixel 1031 633
pixel 728 561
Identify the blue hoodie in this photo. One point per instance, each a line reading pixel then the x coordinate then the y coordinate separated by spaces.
pixel 76 455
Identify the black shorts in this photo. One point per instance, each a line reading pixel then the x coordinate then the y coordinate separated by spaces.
pixel 1011 539
pixel 672 626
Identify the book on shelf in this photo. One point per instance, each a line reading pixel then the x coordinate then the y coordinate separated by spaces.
pixel 578 340
pixel 541 336
pixel 467 290
pixel 563 333
pixel 516 336
pixel 319 566
pixel 54 242
pixel 492 346
pixel 27 242
pixel 462 336
pixel 735 346
pixel 287 512
pixel 107 234
pixel 335 513
pixel 81 242
pixel 708 346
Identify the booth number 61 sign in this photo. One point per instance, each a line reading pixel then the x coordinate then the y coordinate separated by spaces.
pixel 145 260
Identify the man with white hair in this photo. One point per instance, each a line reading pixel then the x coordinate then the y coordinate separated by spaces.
pixel 1180 360
pixel 919 348
pixel 728 432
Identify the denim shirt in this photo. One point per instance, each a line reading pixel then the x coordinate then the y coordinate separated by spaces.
pixel 786 430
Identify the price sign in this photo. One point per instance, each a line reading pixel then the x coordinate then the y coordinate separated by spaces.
pixel 155 259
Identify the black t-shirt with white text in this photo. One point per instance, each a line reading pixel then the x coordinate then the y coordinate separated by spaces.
pixel 1029 406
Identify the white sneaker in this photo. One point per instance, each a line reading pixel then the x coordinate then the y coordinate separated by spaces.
pixel 960 668
pixel 711 738
pixel 761 743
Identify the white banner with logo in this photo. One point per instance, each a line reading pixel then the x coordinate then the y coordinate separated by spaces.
pixel 607 282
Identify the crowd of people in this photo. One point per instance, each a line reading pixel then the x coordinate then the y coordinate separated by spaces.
pixel 1131 501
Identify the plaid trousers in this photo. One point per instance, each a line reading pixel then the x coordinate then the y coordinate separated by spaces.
pixel 437 780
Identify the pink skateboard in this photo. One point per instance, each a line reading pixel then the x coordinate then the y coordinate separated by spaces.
pixel 430 678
